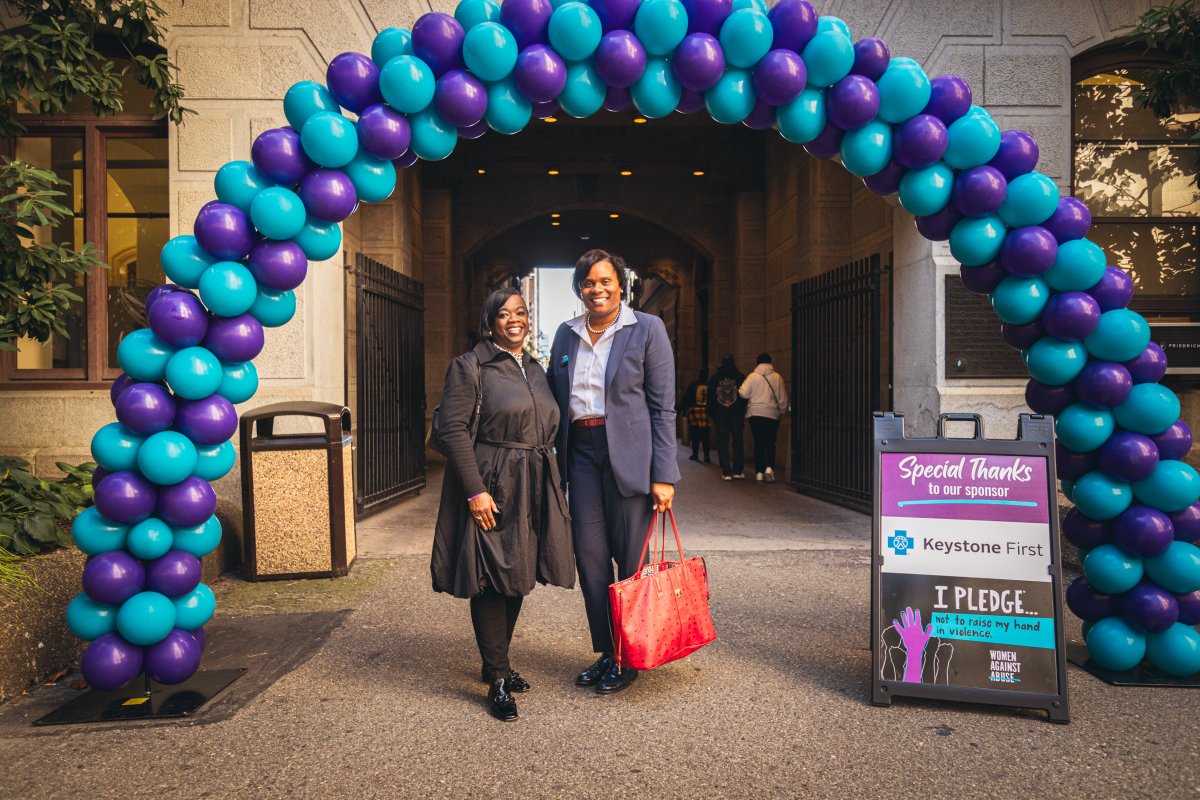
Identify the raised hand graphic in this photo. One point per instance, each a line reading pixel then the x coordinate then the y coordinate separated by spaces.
pixel 914 638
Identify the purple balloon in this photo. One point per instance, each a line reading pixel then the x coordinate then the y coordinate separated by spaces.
pixel 98 474
pixel 328 194
pixel 1150 366
pixel 871 58
pixel 110 662
pixel 280 266
pixel 174 574
pixel 699 62
pixel 779 77
pixel 473 131
pixel 852 102
pixel 114 577
pixel 1072 466
pixel 949 98
pixel 1018 154
pixel 937 227
pixel 383 132
pixel 353 81
pixel 125 497
pixel 528 20
pixel 200 636
pixel 761 117
pixel 886 182
pixel 437 39
pixel 461 98
pixel 278 155
pixel 828 142
pixel 1022 337
pixel 614 14
pixel 921 141
pixel 1150 608
pixel 234 339
pixel 1175 442
pixel 208 421
pixel 224 231
pixel 1129 456
pixel 618 98
pixel 1088 604
pixel 1113 290
pixel 175 659
pixel 1189 607
pixel 121 383
pixel 1070 220
pixel 1067 315
pixel 1187 523
pixel 540 73
pixel 1143 531
pixel 546 108
pixel 146 408
pixel 1043 399
pixel 158 292
pixel 1103 384
pixel 620 60
pixel 1083 532
pixel 179 319
pixel 979 191
pixel 982 279
pixel 405 159
pixel 793 21
pixel 1031 251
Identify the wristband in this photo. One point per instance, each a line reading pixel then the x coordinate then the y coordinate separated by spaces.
pixel 472 497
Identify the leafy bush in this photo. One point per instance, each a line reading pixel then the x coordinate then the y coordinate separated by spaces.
pixel 35 514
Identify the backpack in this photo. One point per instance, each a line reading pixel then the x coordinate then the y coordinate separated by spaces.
pixel 727 392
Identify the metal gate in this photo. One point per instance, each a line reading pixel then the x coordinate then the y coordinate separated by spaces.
pixel 841 374
pixel 389 384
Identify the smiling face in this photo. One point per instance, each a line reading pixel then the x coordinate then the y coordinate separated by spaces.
pixel 601 290
pixel 512 323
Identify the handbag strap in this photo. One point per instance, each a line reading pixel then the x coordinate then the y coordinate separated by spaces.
pixel 650 535
pixel 473 423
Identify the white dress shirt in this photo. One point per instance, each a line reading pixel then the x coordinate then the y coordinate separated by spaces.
pixel 591 362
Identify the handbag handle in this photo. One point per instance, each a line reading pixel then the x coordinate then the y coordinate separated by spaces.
pixel 650 535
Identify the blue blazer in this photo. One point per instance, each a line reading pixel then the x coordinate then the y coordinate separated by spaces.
pixel 639 403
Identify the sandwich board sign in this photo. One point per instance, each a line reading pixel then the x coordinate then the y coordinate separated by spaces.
pixel 966 583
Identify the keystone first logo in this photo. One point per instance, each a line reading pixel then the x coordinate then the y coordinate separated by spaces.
pixel 900 543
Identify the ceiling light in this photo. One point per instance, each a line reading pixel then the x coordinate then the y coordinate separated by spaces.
pixel 614 216
pixel 550 119
pixel 481 171
pixel 626 173
pixel 552 172
pixel 555 215
pixel 698 173
pixel 639 120
pixel 555 224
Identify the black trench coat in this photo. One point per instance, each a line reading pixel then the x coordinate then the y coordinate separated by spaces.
pixel 513 459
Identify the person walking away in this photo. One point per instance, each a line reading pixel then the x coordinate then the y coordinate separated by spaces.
pixel 694 408
pixel 727 415
pixel 767 401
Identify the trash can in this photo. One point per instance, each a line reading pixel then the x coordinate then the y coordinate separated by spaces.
pixel 297 494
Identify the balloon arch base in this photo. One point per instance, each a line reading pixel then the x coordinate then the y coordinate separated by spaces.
pixel 144 699
pixel 1143 674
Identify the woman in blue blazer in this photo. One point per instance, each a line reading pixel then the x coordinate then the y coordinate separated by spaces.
pixel 613 374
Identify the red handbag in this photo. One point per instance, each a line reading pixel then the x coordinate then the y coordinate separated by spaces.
pixel 661 614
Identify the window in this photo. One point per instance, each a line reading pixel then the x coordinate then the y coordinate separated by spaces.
pixel 1135 173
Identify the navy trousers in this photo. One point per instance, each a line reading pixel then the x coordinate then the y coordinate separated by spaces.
pixel 607 528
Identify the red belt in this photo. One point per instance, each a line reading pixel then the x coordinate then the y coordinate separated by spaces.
pixel 589 422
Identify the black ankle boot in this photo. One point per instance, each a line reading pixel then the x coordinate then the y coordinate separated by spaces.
pixel 501 703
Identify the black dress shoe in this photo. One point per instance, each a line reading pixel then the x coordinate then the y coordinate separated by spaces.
pixel 592 675
pixel 616 679
pixel 515 682
pixel 501 703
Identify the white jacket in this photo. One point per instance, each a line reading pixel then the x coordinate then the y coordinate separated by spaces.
pixel 766 392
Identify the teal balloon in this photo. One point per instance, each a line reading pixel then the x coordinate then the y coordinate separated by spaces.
pixel 195 608
pixel 1111 570
pixel 1018 300
pixel 732 99
pixel 575 31
pixel 115 447
pixel 1122 335
pixel 167 458
pixel 926 191
pixel 184 261
pixel 660 25
pixel 1115 644
pixel 1177 569
pixel 215 461
pixel 757 5
pixel 1176 650
pixel 143 356
pixel 305 99
pixel 1100 497
pixel 1173 486
pixel 278 213
pixel 374 178
pixel 828 57
pixel 490 51
pixel 1032 198
pixel 407 84
pixel 833 24
pixel 1083 428
pixel 199 540
pixel 976 241
pixel 193 373
pixel 657 92
pixel 146 618
pixel 972 140
pixel 1068 489
pixel 1080 263
pixel 508 111
pixel 88 619
pixel 904 91
pixel 150 539
pixel 585 90
pixel 470 13
pixel 329 139
pixel 93 534
pixel 239 381
pixel 1055 362
pixel 1150 408
pixel 433 138
pixel 867 150
pixel 319 240
pixel 746 37
pixel 803 119
pixel 228 289
pixel 273 308
pixel 238 183
pixel 389 43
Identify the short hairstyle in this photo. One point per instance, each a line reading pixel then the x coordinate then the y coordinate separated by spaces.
pixel 491 308
pixel 763 358
pixel 590 259
pixel 727 361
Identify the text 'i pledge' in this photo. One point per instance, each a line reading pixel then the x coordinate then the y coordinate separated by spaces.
pixel 911 471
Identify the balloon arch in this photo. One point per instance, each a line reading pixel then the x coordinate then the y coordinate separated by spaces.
pixel 1120 439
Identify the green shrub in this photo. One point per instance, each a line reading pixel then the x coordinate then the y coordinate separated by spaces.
pixel 36 514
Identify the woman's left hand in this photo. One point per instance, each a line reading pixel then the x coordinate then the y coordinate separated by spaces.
pixel 663 494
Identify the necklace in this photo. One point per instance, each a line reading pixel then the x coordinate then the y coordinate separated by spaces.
pixel 587 323
pixel 514 353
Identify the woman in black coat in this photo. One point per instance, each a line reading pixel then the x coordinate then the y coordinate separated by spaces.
pixel 502 524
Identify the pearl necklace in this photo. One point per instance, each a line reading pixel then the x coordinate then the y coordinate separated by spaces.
pixel 587 323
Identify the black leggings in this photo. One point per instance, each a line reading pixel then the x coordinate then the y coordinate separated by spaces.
pixel 764 430
pixel 494 617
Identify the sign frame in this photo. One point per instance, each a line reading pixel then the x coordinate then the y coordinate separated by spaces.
pixel 1035 439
